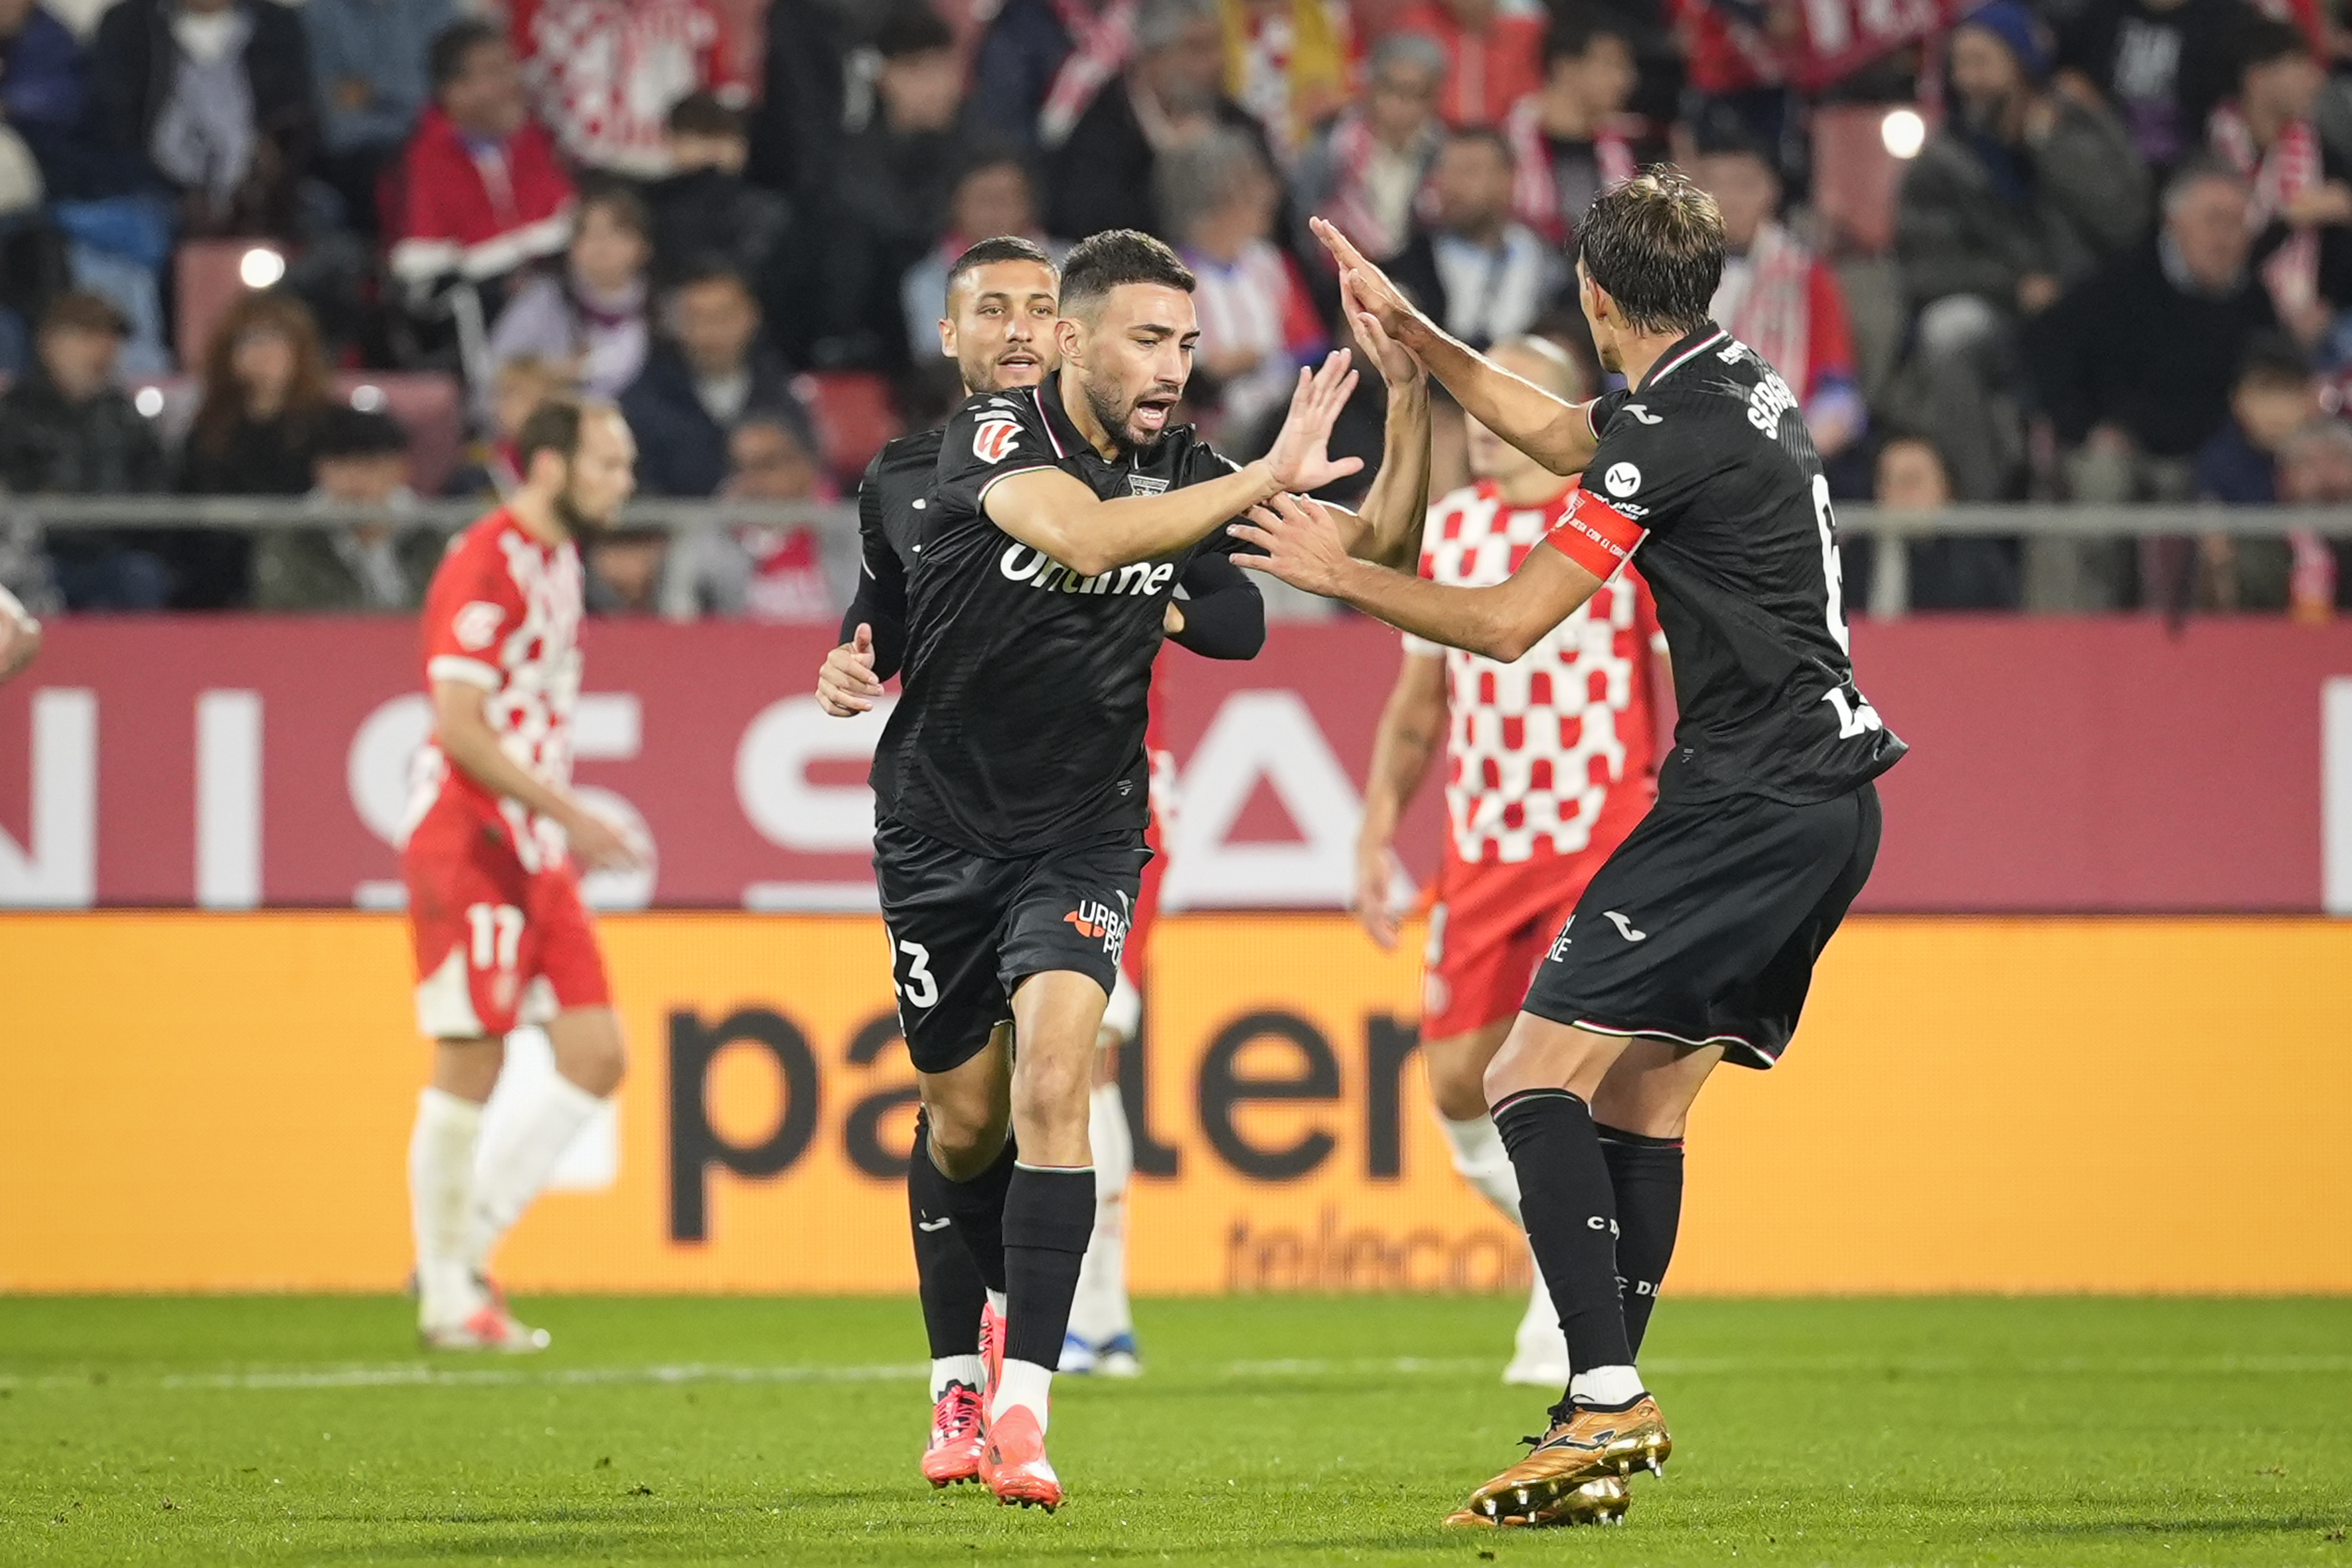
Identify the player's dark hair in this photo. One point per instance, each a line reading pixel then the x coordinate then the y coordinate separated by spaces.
pixel 1572 35
pixel 1654 244
pixel 1114 258
pixel 2266 40
pixel 989 252
pixel 453 46
pixel 703 114
pixel 553 427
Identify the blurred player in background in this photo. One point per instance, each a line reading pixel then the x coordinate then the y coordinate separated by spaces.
pixel 1550 763
pixel 1002 299
pixel 502 937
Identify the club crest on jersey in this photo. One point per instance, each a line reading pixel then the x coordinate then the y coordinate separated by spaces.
pixel 1145 485
pixel 1098 921
pixel 477 625
pixel 1622 479
pixel 993 441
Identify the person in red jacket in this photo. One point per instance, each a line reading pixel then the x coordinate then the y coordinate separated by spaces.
pixel 480 192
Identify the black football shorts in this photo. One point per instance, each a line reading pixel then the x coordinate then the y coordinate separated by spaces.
pixel 1704 926
pixel 965 929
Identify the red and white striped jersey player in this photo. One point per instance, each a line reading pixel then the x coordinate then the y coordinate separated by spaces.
pixel 1549 763
pixel 502 935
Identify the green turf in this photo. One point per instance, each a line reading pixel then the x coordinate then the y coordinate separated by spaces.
pixel 1315 1430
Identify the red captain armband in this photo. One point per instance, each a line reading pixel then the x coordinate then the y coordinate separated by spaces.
pixel 1594 534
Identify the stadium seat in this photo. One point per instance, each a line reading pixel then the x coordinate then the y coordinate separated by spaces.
pixel 855 416
pixel 429 405
pixel 1855 179
pixel 205 283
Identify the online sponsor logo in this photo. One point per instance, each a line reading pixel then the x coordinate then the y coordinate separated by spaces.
pixel 1023 563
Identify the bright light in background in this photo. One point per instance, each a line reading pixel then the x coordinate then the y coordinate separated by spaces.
pixel 367 399
pixel 261 268
pixel 149 401
pixel 1904 133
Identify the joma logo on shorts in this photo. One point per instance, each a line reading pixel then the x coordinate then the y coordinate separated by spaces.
pixel 1023 564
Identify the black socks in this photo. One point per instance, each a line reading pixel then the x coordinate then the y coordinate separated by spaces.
pixel 945 1271
pixel 1647 1175
pixel 977 1207
pixel 1049 1213
pixel 1571 1218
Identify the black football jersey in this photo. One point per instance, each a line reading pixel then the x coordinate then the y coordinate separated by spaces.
pixel 1705 468
pixel 1021 720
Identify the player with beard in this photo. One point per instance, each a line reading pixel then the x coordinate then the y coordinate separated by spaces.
pixel 1011 784
pixel 1002 303
pixel 1694 942
pixel 501 936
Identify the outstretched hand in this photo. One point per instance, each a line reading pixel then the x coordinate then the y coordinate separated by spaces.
pixel 1374 292
pixel 1300 460
pixel 1303 543
pixel 846 685
pixel 1399 366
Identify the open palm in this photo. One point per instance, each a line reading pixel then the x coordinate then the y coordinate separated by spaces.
pixel 1300 457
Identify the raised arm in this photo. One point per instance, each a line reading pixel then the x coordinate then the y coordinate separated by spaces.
pixel 1049 509
pixel 1398 502
pixel 1306 548
pixel 1554 432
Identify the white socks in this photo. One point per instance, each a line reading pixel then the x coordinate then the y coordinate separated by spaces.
pixel 441 1202
pixel 1485 1163
pixel 1026 1382
pixel 1609 1385
pixel 947 1368
pixel 1100 1311
pixel 515 1167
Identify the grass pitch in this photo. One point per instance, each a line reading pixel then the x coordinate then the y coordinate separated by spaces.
pixel 1279 1431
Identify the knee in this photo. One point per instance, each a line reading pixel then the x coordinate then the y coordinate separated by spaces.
pixel 1457 1085
pixel 1053 1088
pixel 591 1052
pixel 961 1142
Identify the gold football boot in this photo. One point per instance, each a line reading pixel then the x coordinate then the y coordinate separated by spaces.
pixel 1558 1482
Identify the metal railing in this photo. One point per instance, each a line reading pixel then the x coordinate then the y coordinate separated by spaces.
pixel 837 521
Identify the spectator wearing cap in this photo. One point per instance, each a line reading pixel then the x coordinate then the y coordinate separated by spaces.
pixel 370 58
pixel 2136 365
pixel 2301 181
pixel 1365 170
pixel 592 317
pixel 1778 298
pixel 381 562
pixel 2021 193
pixel 604 73
pixel 1571 138
pixel 1287 61
pixel 1494 54
pixel 67 428
pixel 1479 270
pixel 710 373
pixel 481 194
pixel 705 210
pixel 1258 323
pixel 216 97
pixel 1101 176
pixel 2160 65
pixel 891 187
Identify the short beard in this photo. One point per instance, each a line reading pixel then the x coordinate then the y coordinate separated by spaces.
pixel 1108 415
pixel 576 523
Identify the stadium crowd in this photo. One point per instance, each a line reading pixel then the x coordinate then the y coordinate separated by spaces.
pixel 2086 251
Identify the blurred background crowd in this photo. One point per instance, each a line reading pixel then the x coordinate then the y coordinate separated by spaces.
pixel 2077 251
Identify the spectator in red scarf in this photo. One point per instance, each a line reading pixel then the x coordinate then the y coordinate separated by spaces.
pixel 1366 170
pixel 1494 53
pixel 2301 202
pixel 605 73
pixel 1041 62
pixel 1572 137
pixel 1778 298
pixel 482 193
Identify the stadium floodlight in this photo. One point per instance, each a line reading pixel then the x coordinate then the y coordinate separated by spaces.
pixel 261 266
pixel 1904 133
pixel 149 401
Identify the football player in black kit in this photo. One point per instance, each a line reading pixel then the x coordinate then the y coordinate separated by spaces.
pixel 1695 941
pixel 1001 303
pixel 1010 782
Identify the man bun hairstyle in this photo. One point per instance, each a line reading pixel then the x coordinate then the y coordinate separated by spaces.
pixel 989 252
pixel 1654 244
pixel 1114 258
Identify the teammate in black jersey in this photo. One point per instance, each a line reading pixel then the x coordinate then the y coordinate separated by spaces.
pixel 1011 784
pixel 1001 305
pixel 1694 942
